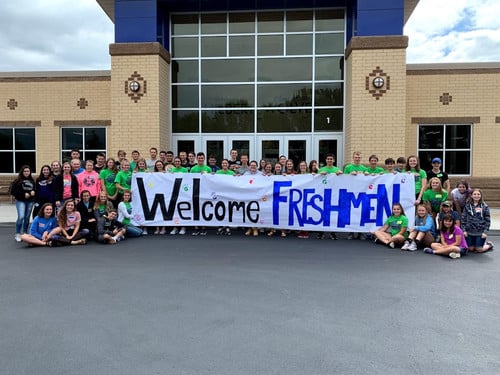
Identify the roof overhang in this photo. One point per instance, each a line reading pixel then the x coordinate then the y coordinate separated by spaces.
pixel 109 8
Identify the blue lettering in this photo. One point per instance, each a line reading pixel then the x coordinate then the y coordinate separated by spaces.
pixel 277 198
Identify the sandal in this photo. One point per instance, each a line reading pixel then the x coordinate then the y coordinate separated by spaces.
pixel 283 234
pixel 271 233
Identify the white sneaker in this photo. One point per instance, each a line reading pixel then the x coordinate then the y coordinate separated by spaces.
pixel 412 247
pixel 17 237
pixel 174 231
pixel 454 255
pixel 182 231
pixel 145 232
pixel 405 246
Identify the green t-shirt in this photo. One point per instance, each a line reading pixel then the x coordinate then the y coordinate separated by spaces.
pixel 222 171
pixel 108 178
pixel 328 170
pixel 128 206
pixel 124 178
pixel 200 169
pixel 376 170
pixel 180 170
pixel 419 176
pixel 395 223
pixel 435 198
pixel 349 168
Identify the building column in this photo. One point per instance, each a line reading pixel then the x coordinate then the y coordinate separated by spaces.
pixel 376 97
pixel 140 106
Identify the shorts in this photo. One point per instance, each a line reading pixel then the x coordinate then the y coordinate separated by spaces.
pixel 475 241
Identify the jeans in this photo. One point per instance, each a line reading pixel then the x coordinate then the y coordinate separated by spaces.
pixel 133 231
pixel 23 215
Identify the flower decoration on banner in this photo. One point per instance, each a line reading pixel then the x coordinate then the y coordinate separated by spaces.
pixel 377 83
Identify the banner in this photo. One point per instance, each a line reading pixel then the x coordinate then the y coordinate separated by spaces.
pixel 344 203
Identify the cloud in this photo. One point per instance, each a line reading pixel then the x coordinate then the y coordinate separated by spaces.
pixel 54 35
pixel 454 31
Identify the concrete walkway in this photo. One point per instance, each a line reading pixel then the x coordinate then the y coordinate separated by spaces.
pixel 8 215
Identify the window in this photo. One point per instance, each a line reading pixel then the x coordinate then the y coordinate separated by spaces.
pixel 449 142
pixel 90 141
pixel 17 148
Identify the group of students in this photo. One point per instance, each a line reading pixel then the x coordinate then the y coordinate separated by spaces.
pixel 71 204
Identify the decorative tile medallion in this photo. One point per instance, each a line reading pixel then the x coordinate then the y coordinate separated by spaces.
pixel 136 87
pixel 82 103
pixel 12 104
pixel 446 98
pixel 377 83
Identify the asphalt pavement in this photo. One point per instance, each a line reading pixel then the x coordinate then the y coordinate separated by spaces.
pixel 238 305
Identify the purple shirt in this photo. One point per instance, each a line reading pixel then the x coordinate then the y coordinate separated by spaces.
pixel 450 238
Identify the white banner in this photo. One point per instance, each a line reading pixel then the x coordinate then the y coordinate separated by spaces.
pixel 342 203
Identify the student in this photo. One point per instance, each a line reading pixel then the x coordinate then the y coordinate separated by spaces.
pixel 44 189
pixel 393 233
pixel 23 190
pixel 262 165
pixel 102 205
pixel 244 167
pixel 68 231
pixel 41 227
pixel 76 167
pixel 109 229
pixel 225 168
pixel 100 162
pixel 446 209
pixel 290 167
pixel 141 166
pixel 313 167
pixel 89 180
pixel 234 163
pixel 135 158
pixel 125 216
pixel 413 168
pixel 86 209
pixel 178 168
pixel 212 163
pixel 282 160
pixel 107 178
pixel 401 165
pixel 268 169
pixel 55 167
pixel 452 243
pixel 253 171
pixel 65 186
pixel 278 169
pixel 123 180
pixel 389 166
pixel 184 160
pixel 191 160
pixel 460 195
pixel 374 169
pixel 121 155
pixel 169 161
pixel 476 221
pixel 437 172
pixel 355 167
pixel 159 167
pixel 424 231
pixel 303 168
pixel 75 154
pixel 200 167
pixel 434 196
pixel 153 157
pixel 329 168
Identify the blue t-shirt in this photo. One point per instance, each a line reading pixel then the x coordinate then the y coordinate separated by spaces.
pixel 41 225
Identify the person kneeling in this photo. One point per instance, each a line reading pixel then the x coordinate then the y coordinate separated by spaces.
pixel 109 229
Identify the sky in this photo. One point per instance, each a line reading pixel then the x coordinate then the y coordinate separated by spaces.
pixel 40 35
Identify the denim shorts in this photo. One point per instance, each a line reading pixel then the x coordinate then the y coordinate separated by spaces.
pixel 475 241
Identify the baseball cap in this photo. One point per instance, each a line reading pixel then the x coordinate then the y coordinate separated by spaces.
pixel 446 203
pixel 437 160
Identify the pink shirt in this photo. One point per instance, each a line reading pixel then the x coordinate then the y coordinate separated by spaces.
pixel 67 186
pixel 72 219
pixel 89 181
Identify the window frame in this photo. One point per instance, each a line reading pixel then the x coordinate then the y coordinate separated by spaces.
pixel 14 151
pixel 83 150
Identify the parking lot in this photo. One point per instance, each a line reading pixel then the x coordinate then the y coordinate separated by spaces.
pixel 238 305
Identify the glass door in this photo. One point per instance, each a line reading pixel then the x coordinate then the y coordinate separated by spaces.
pixel 295 147
pixel 221 146
pixel 329 144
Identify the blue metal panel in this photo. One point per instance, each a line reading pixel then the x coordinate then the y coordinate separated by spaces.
pixel 381 17
pixel 135 21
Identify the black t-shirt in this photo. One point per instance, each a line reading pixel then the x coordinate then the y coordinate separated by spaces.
pixel 443 176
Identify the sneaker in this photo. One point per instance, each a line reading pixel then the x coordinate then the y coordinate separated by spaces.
pixel 195 233
pixel 203 232
pixel 412 247
pixel 350 236
pixel 405 246
pixel 305 235
pixel 145 232
pixel 454 255
pixel 157 232
pixel 220 231
pixel 182 231
pixel 163 231
pixel 491 245
pixel 321 236
pixel 391 245
pixel 428 250
pixel 333 236
pixel 228 232
pixel 17 237
pixel 174 231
